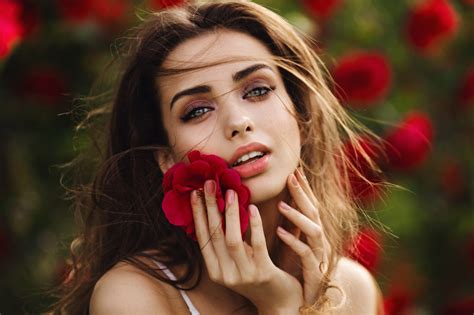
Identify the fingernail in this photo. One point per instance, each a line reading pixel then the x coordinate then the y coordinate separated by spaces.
pixel 293 180
pixel 253 210
pixel 284 206
pixel 194 197
pixel 282 231
pixel 230 196
pixel 301 172
pixel 210 187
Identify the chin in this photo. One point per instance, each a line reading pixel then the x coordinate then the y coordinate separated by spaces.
pixel 262 190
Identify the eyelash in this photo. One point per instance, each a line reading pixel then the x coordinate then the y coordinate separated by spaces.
pixel 192 113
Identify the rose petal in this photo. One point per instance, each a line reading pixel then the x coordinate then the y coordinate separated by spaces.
pixel 168 176
pixel 230 179
pixel 192 175
pixel 243 194
pixel 182 178
pixel 244 219
pixel 181 189
pixel 194 155
pixel 217 163
pixel 177 208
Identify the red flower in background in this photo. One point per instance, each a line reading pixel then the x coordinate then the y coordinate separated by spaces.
pixel 462 306
pixel 366 249
pixel 11 30
pixel 181 179
pixel 363 191
pixel 106 12
pixel 453 180
pixel 30 18
pixel 466 94
pixel 408 144
pixel 430 24
pixel 362 78
pixel 163 4
pixel 45 85
pixel 322 9
pixel 75 10
pixel 398 301
pixel 110 12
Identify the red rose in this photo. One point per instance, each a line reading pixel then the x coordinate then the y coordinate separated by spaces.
pixel 453 179
pixel 43 84
pixel 181 179
pixel 430 24
pixel 466 95
pixel 408 145
pixel 163 4
pixel 111 12
pixel 322 9
pixel 366 249
pixel 106 12
pixel 75 10
pixel 11 29
pixel 362 78
pixel 462 306
pixel 365 192
pixel 29 17
pixel 398 301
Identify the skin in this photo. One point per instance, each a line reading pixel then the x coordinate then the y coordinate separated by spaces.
pixel 232 118
pixel 239 270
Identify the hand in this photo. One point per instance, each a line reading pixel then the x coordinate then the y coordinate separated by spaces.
pixel 230 261
pixel 314 254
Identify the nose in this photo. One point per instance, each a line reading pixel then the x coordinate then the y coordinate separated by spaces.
pixel 238 124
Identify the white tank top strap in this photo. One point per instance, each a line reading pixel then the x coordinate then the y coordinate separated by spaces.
pixel 186 299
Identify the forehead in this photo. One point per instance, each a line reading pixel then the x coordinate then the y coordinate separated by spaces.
pixel 216 46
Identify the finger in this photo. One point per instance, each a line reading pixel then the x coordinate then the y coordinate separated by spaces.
pixel 233 234
pixel 312 230
pixel 202 234
pixel 215 229
pixel 302 200
pixel 299 247
pixel 305 185
pixel 257 239
pixel 311 274
pixel 303 181
pixel 295 230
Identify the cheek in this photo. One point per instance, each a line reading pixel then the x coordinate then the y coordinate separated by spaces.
pixel 187 139
pixel 286 125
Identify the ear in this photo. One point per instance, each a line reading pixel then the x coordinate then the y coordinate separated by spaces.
pixel 164 159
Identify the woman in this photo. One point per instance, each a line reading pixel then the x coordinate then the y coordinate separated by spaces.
pixel 226 78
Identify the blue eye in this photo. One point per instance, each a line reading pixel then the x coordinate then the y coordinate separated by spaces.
pixel 198 111
pixel 195 112
pixel 259 92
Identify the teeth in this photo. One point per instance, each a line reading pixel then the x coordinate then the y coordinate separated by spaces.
pixel 247 157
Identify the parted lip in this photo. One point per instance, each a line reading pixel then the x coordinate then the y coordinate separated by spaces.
pixel 254 146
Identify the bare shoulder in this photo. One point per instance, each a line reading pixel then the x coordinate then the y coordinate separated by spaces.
pixel 125 289
pixel 363 294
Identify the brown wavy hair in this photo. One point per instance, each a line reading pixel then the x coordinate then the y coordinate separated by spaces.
pixel 119 209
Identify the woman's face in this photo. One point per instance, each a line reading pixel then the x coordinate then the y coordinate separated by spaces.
pixel 231 108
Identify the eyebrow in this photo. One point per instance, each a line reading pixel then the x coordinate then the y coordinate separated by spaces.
pixel 236 77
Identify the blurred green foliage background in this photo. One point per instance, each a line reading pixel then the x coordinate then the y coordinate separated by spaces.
pixel 62 46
